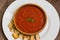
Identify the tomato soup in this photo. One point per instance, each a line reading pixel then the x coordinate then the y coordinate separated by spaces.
pixel 29 19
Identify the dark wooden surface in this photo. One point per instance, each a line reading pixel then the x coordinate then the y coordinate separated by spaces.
pixel 5 3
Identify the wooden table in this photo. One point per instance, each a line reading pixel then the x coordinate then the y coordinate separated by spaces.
pixel 4 4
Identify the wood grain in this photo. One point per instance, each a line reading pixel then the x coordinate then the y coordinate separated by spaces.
pixel 5 3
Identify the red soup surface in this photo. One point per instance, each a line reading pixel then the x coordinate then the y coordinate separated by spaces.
pixel 29 19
